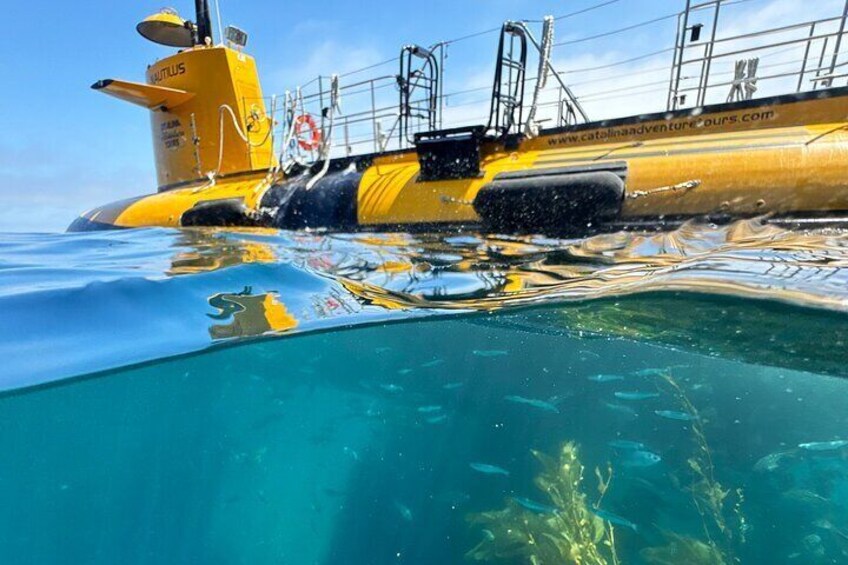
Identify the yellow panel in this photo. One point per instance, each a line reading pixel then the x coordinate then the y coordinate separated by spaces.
pixel 166 208
pixel 201 89
pixel 389 192
pixel 150 97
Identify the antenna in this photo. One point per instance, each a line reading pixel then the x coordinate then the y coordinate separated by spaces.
pixel 218 14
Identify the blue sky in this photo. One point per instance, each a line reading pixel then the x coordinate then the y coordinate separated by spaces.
pixel 65 148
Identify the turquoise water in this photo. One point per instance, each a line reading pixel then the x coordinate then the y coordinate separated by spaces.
pixel 261 397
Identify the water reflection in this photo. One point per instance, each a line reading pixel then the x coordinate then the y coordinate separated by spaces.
pixel 250 315
pixel 746 260
pixel 625 284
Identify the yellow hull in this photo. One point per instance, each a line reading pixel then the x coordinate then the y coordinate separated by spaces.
pixel 786 155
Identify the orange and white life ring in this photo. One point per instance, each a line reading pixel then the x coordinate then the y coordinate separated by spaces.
pixel 307 132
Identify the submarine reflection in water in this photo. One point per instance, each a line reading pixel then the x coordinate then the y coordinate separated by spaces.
pixel 394 276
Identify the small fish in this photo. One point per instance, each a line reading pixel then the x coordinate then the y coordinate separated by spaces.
pixel 404 371
pixel 380 350
pixel 652 372
pixel 587 353
pixel 558 399
pixel 771 461
pixel 635 395
pixel 675 415
pixel 390 387
pixel 602 378
pixel 626 444
pixel 490 352
pixel 453 386
pixel 641 458
pixel 488 535
pixel 489 469
pixel 657 371
pixel 621 409
pixel 433 363
pixel 824 445
pixel 614 519
pixel 540 404
pixel 404 511
pixel 806 497
pixel 437 419
pixel 429 409
pixel 534 506
pixel 351 452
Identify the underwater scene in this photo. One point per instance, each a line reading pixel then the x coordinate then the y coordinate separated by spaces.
pixel 215 396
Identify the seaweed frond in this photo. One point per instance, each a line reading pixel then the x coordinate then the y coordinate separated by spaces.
pixel 569 533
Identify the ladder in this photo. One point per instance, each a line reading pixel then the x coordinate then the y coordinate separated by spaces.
pixel 506 113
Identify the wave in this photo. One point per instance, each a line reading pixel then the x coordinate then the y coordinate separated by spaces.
pixel 77 304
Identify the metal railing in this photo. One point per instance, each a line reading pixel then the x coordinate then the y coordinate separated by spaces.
pixel 814 44
pixel 378 115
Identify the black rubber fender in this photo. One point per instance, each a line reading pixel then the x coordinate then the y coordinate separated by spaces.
pixel 550 203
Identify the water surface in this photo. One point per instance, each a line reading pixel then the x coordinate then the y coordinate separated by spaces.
pixel 261 397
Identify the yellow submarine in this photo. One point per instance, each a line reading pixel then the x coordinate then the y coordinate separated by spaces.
pixel 785 157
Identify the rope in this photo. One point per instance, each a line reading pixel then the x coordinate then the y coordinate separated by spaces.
pixel 221 110
pixel 682 186
pixel 588 9
pixel 326 142
pixel 531 128
pixel 617 31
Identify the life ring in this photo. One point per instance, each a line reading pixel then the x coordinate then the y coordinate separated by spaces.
pixel 312 140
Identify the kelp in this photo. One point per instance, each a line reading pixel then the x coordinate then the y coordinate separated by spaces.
pixel 683 549
pixel 570 534
pixel 720 508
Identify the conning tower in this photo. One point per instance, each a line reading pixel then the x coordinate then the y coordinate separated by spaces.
pixel 207 114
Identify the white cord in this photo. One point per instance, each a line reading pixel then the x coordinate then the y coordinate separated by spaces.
pixel 327 141
pixel 229 110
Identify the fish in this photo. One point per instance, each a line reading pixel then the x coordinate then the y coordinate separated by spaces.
pixel 771 461
pixel 675 415
pixel 382 350
pixel 487 469
pixel 351 452
pixel 488 535
pixel 558 399
pixel 453 386
pixel 540 404
pixel 621 409
pixel 626 444
pixel 651 372
pixel 490 352
pixel 534 506
pixel 437 419
pixel 429 409
pixel 404 511
pixel 657 371
pixel 824 445
pixel 390 387
pixel 587 353
pixel 806 497
pixel 614 519
pixel 827 525
pixel 602 378
pixel 640 458
pixel 404 371
pixel 635 395
pixel 433 363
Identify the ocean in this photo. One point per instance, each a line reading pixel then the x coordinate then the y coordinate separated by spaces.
pixel 254 396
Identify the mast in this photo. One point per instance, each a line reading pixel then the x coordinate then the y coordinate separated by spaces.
pixel 204 21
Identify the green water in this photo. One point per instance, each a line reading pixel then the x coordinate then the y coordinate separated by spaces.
pixel 356 447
